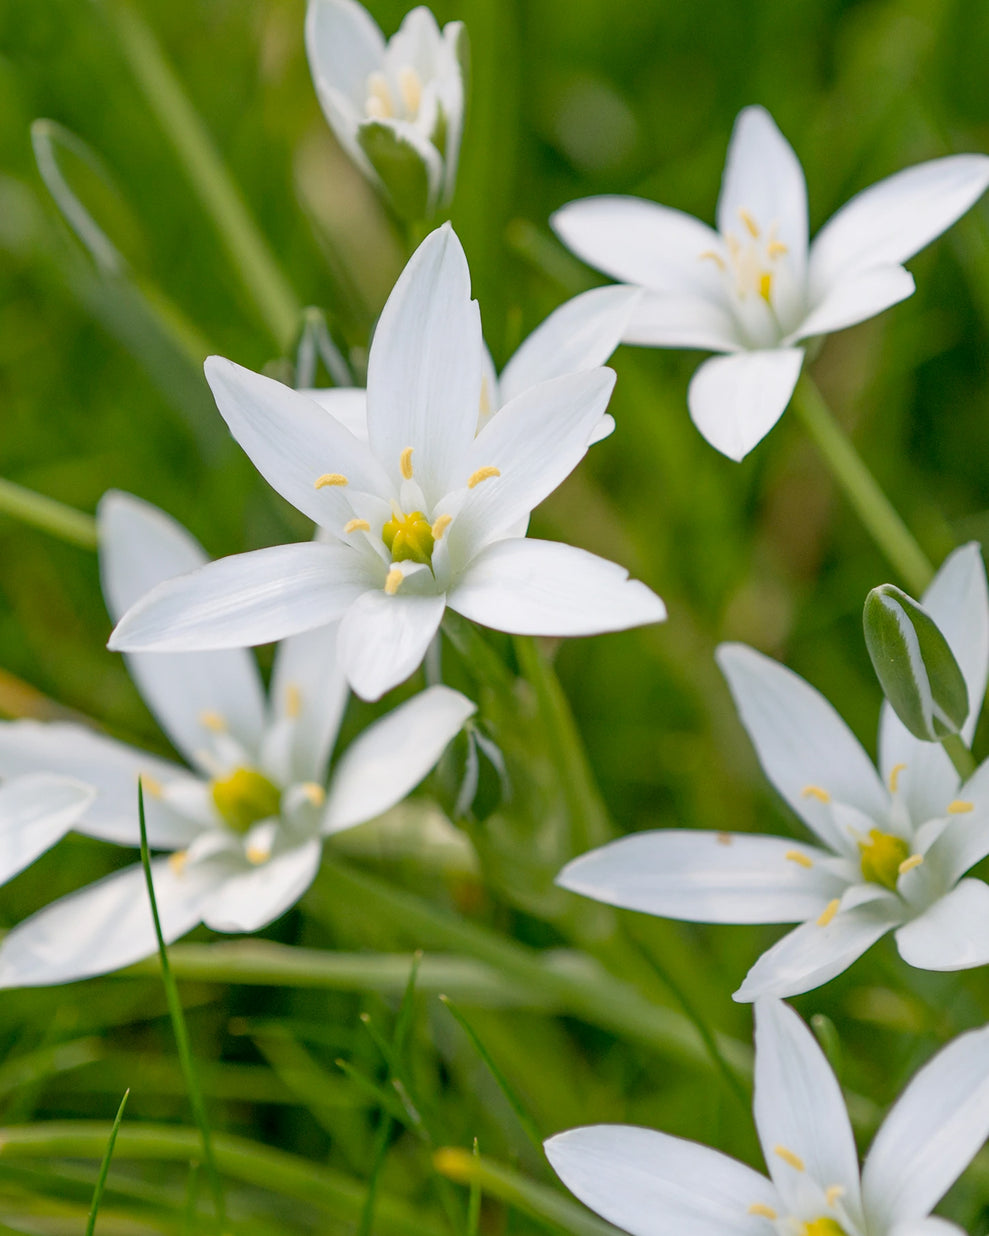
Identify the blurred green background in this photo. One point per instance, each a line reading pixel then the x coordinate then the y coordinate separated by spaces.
pixel 101 386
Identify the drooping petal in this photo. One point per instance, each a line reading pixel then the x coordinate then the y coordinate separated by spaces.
pixel 650 1184
pixel 683 320
pixel 580 335
pixel 344 47
pixel 246 599
pixel 764 180
pixel 248 898
pixel 530 587
pixel 735 400
pixel 37 810
pixel 802 743
pixel 346 404
pixel 383 639
pixel 812 954
pixel 424 368
pixel 141 547
pixel 104 926
pixel 389 759
pixel 855 299
pixel 931 1135
pixel 799 1109
pixel 953 934
pixel 891 221
pixel 642 243
pixel 309 692
pixel 706 877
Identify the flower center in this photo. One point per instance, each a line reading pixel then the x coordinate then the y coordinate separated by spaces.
pixel 824 1226
pixel 883 859
pixel 409 538
pixel 381 102
pixel 753 258
pixel 245 797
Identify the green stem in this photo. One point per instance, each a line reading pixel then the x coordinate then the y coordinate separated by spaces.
pixel 875 510
pixel 94 1210
pixel 217 192
pixel 960 756
pixel 48 514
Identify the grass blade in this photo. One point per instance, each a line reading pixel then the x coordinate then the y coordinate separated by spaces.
pixel 105 1166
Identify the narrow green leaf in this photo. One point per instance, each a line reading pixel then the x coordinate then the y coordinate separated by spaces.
pixel 105 1166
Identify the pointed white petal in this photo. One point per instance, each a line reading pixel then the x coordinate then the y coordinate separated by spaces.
pixel 103 927
pixel 344 47
pixel 650 1184
pixel 250 598
pixel 309 691
pixel 141 547
pixel 763 178
pixel 810 955
pixel 37 810
pixel 580 335
pixel 386 762
pixel 933 1225
pixel 383 639
pixel 892 220
pixel 248 898
pixel 953 934
pixel 424 369
pixel 683 320
pixel 798 1107
pixel 931 1135
pixel 964 841
pixel 735 400
pixel 530 587
pixel 855 299
pixel 801 742
pixel 706 877
pixel 346 404
pixel 642 243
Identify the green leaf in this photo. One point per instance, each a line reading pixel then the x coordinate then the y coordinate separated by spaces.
pixel 400 167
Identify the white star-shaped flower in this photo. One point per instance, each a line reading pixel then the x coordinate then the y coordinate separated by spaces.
pixel 427 513
pixel 651 1184
pixel 754 289
pixel 246 819
pixel 891 847
pixel 36 811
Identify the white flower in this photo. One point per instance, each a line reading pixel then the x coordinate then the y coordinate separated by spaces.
pixel 397 108
pixel 890 850
pixel 246 819
pixel 35 812
pixel 424 515
pixel 752 288
pixel 651 1184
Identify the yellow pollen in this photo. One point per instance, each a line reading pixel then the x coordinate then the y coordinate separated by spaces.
pixel 257 854
pixel 830 910
pixel 330 478
pixel 750 224
pixel 356 525
pixel 776 248
pixel 379 104
pixel 788 1156
pixel 759 1208
pixel 151 786
pixel 815 791
pixel 315 793
pixel 908 864
pixel 485 398
pixel 177 861
pixel 440 525
pixel 405 463
pixel 800 859
pixel 894 776
pixel 883 856
pixel 410 85
pixel 482 474
pixel 393 581
pixel 833 1193
pixel 960 807
pixel 212 721
pixel 710 256
pixel 765 285
pixel 293 700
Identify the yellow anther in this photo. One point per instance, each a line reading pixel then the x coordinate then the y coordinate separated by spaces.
pixel 894 776
pixel 315 793
pixel 750 224
pixel 257 854
pixel 800 859
pixel 151 786
pixel 883 856
pixel 830 910
pixel 379 104
pixel 760 1208
pixel 212 721
pixel 410 84
pixel 788 1156
pixel 405 463
pixel 356 525
pixel 908 864
pixel 293 700
pixel 960 807
pixel 482 474
pixel 710 256
pixel 178 860
pixel 834 1193
pixel 776 248
pixel 440 525
pixel 245 797
pixel 766 285
pixel 815 791
pixel 393 581
pixel 330 478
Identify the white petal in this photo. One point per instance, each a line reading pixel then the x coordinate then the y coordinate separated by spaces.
pixel 530 587
pixel 763 177
pixel 292 442
pixel 934 1225
pixel 650 1184
pixel 705 877
pixel 580 335
pixel 37 810
pixel 890 221
pixel 250 598
pixel 102 927
pixel 344 47
pixel 801 741
pixel 141 547
pixel 389 759
pixel 931 1135
pixel 346 404
pixel 683 320
pixel 798 1106
pixel 249 898
pixel 111 768
pixel 855 299
pixel 735 400
pixel 953 934
pixel 309 691
pixel 383 639
pixel 424 369
pixel 642 243
pixel 810 955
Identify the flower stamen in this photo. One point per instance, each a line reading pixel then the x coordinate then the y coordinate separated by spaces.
pixel 212 721
pixel 710 256
pixel 178 860
pixel 314 792
pixel 356 525
pixel 405 463
pixel 766 286
pixel 800 859
pixel 815 791
pixel 894 776
pixel 410 84
pixel 794 1160
pixel 908 864
pixel 151 786
pixel 750 224
pixel 776 248
pixel 393 581
pixel 379 104
pixel 330 478
pixel 440 525
pixel 293 700
pixel 830 910
pixel 257 854
pixel 482 474
pixel 960 807
pixel 760 1208
pixel 834 1193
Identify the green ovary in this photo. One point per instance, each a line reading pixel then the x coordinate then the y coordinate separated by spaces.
pixel 409 538
pixel 245 797
pixel 882 855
